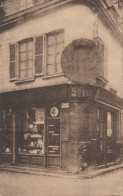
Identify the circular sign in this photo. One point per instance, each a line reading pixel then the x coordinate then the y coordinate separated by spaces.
pixel 82 61
pixel 54 112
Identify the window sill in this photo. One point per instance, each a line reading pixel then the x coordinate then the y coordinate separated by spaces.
pixel 38 75
pixel 24 81
pixel 53 76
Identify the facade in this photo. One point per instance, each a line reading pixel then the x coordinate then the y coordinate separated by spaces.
pixel 61 76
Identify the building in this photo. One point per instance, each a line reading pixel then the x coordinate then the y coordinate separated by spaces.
pixel 61 77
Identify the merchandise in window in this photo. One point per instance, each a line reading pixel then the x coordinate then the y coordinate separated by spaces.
pixel 32 132
pixel 6 132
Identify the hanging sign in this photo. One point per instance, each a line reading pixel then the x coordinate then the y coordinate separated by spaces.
pixel 82 61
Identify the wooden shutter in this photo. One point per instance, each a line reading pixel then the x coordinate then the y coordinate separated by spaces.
pixel 12 67
pixel 39 50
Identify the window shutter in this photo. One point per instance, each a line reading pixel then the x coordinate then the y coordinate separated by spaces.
pixel 12 67
pixel 39 49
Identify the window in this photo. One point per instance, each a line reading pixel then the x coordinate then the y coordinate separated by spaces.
pixel 31 136
pixel 55 45
pixel 6 131
pixel 25 4
pixel 26 58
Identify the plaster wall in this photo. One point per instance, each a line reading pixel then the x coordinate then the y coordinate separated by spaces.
pixel 77 20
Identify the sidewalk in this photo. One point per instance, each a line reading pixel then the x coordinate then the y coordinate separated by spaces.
pixel 55 172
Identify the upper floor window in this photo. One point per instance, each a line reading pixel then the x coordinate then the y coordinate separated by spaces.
pixel 55 45
pixel 25 4
pixel 27 57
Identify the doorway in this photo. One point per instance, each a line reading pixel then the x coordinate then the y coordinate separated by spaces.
pixel 53 136
pixel 106 137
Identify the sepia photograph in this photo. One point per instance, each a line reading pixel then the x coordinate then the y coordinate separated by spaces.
pixel 61 97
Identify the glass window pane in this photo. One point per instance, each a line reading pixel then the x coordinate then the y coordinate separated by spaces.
pixel 60 47
pixel 6 134
pixel 30 64
pixel 30 55
pixel 32 139
pixel 23 56
pixel 30 45
pixel 51 49
pixel 30 73
pixel 51 69
pixel 51 59
pixel 23 74
pixel 60 37
pixel 51 39
pixel 23 47
pixel 58 58
pixel 109 122
pixel 59 69
pixel 29 1
pixel 22 3
pixel 23 65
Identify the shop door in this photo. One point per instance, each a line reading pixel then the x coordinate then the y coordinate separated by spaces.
pixel 105 137
pixel 53 137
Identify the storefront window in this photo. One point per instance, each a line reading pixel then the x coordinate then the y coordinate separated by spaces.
pixel 32 132
pixel 6 131
pixel 109 132
pixel 100 130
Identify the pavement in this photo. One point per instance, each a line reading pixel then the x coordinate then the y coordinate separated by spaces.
pixel 56 172
pixel 20 184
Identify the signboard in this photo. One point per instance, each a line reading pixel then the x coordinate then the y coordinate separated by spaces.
pixel 81 92
pixel 65 105
pixel 82 61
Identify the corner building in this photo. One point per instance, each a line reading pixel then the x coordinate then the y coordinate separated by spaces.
pixel 61 76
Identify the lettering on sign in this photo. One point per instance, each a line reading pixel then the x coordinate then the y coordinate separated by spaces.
pixel 80 92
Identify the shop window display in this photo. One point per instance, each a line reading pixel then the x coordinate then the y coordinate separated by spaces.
pixel 6 131
pixel 32 132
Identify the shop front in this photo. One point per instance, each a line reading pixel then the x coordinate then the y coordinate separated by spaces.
pixel 51 126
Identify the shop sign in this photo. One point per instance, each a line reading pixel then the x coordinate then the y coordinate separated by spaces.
pixel 80 92
pixel 54 112
pixel 65 105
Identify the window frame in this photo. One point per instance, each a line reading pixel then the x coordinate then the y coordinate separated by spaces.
pixel 46 52
pixel 21 8
pixel 18 65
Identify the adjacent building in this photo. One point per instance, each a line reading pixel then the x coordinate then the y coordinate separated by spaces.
pixel 61 83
